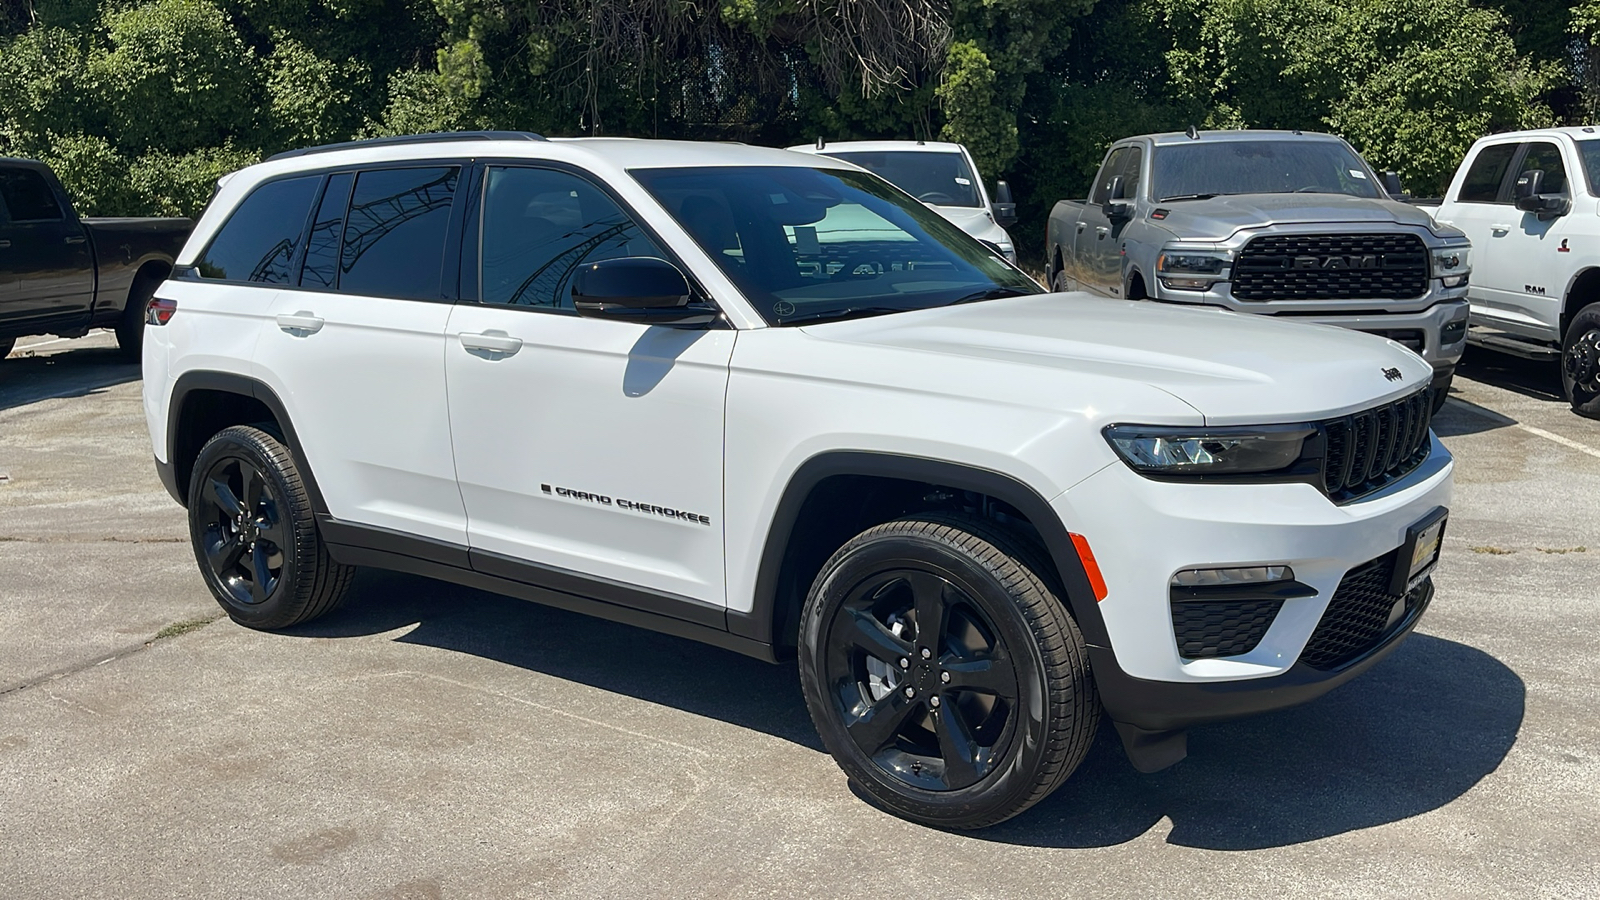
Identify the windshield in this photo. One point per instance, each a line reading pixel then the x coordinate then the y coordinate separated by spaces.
pixel 808 244
pixel 1590 152
pixel 1259 167
pixel 939 178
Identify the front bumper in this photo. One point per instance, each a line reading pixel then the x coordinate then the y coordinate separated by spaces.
pixel 1143 532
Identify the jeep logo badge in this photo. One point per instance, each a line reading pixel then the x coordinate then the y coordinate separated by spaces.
pixel 1367 261
pixel 1392 374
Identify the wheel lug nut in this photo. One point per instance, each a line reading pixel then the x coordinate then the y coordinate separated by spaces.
pixel 905 663
pixel 926 653
pixel 933 701
pixel 911 692
pixel 944 677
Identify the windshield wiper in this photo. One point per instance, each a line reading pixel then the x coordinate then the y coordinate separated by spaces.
pixel 848 312
pixel 1194 196
pixel 995 293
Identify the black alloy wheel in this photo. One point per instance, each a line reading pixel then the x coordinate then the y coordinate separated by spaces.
pixel 243 533
pixel 254 535
pixel 944 676
pixel 1580 362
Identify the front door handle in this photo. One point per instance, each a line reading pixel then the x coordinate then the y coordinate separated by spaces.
pixel 1081 226
pixel 1499 229
pixel 495 342
pixel 73 239
pixel 4 244
pixel 1100 232
pixel 300 324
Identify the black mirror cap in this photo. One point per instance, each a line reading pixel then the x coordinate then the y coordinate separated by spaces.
pixel 1002 194
pixel 1005 214
pixel 1118 210
pixel 640 289
pixel 1114 193
pixel 1391 183
pixel 1529 185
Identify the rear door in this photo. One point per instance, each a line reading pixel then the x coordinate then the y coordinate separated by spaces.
pixel 44 251
pixel 584 447
pixel 355 350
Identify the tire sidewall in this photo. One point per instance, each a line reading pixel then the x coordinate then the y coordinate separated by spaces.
pixel 1583 402
pixel 1014 779
pixel 249 445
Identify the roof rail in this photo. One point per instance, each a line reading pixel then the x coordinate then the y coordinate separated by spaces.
pixel 413 139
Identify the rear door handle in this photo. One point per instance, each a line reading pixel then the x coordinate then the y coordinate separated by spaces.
pixel 73 239
pixel 4 244
pixel 300 324
pixel 1100 232
pixel 496 342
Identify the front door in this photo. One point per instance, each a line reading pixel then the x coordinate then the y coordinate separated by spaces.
pixel 583 447
pixel 1483 210
pixel 44 250
pixel 1097 261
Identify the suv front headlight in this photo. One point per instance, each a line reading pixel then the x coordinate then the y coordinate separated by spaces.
pixel 1201 452
pixel 1192 270
pixel 1453 264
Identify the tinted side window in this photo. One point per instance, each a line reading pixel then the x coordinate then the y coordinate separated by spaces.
pixel 394 233
pixel 257 243
pixel 28 196
pixel 1482 184
pixel 321 271
pixel 1113 167
pixel 1547 158
pixel 539 226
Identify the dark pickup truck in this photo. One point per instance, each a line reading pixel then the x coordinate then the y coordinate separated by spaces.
pixel 63 275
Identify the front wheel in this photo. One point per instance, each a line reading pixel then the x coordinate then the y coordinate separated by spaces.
pixel 6 345
pixel 254 535
pixel 943 674
pixel 1580 362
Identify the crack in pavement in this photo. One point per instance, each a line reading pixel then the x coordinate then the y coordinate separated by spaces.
pixel 86 539
pixel 101 659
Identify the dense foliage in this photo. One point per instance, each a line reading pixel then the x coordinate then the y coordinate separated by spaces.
pixel 141 104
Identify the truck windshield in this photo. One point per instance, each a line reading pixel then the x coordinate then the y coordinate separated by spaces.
pixel 811 244
pixel 1590 151
pixel 939 178
pixel 1210 168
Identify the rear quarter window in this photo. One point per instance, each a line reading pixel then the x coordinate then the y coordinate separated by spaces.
pixel 259 240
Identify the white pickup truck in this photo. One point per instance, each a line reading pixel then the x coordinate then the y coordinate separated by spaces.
pixel 1530 203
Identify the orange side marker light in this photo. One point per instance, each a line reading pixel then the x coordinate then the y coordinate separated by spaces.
pixel 1097 582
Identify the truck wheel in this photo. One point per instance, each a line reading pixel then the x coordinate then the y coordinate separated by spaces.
pixel 1441 392
pixel 1580 362
pixel 6 344
pixel 943 674
pixel 254 536
pixel 130 326
pixel 1061 284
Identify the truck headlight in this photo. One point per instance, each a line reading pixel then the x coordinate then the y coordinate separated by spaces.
pixel 1191 270
pixel 1452 265
pixel 1201 452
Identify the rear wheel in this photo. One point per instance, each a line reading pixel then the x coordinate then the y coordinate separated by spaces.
pixel 254 536
pixel 130 327
pixel 1580 362
pixel 945 677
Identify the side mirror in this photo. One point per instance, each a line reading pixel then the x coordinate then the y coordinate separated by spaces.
pixel 1527 190
pixel 639 289
pixel 1004 208
pixel 1391 184
pixel 1115 206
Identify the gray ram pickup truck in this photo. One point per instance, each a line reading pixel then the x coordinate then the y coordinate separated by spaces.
pixel 1271 222
pixel 61 274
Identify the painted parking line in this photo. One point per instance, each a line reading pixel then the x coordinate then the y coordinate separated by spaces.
pixel 1501 419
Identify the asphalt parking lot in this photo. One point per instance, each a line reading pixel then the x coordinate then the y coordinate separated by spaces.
pixel 429 741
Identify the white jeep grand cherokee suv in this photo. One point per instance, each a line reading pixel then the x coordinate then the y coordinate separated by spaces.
pixel 767 401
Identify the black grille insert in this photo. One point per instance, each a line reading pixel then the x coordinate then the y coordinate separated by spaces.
pixel 1331 267
pixel 1358 617
pixel 1371 449
pixel 1210 628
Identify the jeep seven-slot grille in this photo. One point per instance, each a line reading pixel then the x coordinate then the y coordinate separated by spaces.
pixel 1331 267
pixel 1206 629
pixel 1373 448
pixel 1358 617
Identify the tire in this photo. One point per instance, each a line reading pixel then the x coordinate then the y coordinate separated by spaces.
pixel 6 346
pixel 1060 283
pixel 1003 708
pixel 1580 362
pixel 268 569
pixel 1441 392
pixel 130 326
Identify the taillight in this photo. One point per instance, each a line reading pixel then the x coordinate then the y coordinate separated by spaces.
pixel 159 311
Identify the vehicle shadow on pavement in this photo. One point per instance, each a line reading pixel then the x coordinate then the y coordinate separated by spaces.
pixel 1539 379
pixel 74 373
pixel 1416 732
pixel 658 668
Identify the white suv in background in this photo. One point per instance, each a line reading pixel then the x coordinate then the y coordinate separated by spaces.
pixel 769 402
pixel 940 174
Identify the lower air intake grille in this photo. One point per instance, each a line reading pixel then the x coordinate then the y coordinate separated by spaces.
pixel 1357 618
pixel 1210 628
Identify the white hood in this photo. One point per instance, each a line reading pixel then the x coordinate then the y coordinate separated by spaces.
pixel 1233 368
pixel 974 221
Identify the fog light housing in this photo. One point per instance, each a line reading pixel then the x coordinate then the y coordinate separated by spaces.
pixel 1243 575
